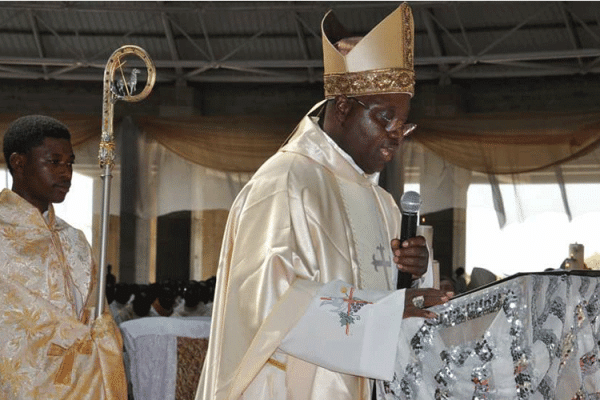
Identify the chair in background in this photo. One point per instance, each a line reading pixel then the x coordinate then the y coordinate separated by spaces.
pixel 164 356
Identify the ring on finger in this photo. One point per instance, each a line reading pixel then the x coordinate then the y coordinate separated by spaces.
pixel 418 301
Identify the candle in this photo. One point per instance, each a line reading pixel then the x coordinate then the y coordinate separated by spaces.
pixel 427 232
pixel 576 256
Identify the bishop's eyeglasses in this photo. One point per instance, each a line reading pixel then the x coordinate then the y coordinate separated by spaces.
pixel 390 124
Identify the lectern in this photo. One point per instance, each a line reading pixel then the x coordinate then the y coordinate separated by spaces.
pixel 529 336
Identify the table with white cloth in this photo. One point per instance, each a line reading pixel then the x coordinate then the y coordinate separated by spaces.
pixel 164 355
pixel 529 336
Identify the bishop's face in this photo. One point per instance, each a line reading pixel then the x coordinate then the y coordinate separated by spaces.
pixel 43 175
pixel 375 128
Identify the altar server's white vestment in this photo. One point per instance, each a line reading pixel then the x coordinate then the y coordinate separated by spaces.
pixel 308 217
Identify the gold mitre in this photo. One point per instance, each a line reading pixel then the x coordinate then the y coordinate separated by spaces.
pixel 380 62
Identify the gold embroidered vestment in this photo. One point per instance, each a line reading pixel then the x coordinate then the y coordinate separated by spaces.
pixel 49 349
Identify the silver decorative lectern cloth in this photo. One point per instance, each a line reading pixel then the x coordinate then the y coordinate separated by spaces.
pixel 530 336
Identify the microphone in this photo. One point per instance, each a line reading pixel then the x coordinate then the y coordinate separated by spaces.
pixel 409 206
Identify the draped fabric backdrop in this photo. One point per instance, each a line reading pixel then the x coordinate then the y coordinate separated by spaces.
pixel 229 144
pixel 513 148
pixel 200 163
pixel 510 143
pixel 220 153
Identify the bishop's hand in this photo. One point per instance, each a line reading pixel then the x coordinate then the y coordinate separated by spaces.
pixel 417 300
pixel 411 256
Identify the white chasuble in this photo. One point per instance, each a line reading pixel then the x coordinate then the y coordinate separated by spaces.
pixel 309 217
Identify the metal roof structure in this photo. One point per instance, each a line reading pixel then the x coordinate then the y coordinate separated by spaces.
pixel 281 41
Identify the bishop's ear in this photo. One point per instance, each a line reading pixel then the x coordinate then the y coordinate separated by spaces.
pixel 342 106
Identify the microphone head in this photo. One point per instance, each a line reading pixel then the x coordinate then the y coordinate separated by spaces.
pixel 410 202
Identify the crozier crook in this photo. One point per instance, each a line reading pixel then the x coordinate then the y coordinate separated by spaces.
pixel 106 154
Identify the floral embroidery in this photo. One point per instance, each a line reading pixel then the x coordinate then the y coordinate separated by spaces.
pixel 26 319
pixel 13 378
pixel 346 307
pixel 40 270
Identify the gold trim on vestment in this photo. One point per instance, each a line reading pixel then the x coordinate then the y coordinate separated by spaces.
pixel 390 80
pixel 409 49
pixel 277 364
pixel 63 375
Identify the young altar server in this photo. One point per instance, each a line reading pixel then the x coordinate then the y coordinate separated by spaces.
pixel 49 346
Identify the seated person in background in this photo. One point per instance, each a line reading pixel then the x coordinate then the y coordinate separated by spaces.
pixel 194 301
pixel 211 281
pixel 480 277
pixel 461 281
pixel 52 347
pixel 208 300
pixel 165 301
pixel 447 284
pixel 122 297
pixel 142 298
pixel 142 302
pixel 110 293
pixel 123 292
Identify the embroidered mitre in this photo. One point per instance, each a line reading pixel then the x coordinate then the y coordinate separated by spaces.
pixel 380 62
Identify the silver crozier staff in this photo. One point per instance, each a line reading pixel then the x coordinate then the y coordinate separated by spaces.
pixel 121 89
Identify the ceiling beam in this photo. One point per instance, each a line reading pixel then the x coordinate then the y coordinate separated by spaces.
pixel 189 6
pixel 571 32
pixel 36 37
pixel 303 46
pixel 163 28
pixel 211 53
pixel 314 63
pixel 435 45
pixel 172 45
pixel 423 76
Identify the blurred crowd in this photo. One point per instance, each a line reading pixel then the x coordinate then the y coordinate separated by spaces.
pixel 165 299
pixel 462 283
pixel 195 298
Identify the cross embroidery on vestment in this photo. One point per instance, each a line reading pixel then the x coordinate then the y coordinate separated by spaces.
pixel 349 304
pixel 382 263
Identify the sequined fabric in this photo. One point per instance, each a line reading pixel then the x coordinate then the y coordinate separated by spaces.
pixel 532 336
